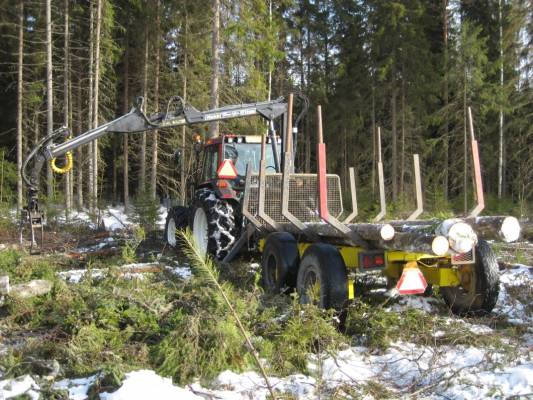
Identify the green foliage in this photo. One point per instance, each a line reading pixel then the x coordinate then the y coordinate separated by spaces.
pixel 8 179
pixel 145 211
pixel 129 250
pixel 307 330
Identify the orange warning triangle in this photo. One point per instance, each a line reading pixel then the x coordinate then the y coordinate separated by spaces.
pixel 412 281
pixel 227 170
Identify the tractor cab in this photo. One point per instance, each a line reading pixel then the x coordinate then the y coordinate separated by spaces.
pixel 223 162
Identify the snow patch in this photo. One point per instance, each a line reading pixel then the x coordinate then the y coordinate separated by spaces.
pixel 146 384
pixel 77 388
pixel 10 388
pixel 512 308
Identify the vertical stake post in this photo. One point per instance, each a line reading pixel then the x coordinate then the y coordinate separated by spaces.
pixel 480 198
pixel 381 180
pixel 418 188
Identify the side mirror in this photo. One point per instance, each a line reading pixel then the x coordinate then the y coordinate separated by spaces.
pixel 177 158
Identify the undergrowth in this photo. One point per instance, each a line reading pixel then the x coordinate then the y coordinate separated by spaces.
pixel 181 329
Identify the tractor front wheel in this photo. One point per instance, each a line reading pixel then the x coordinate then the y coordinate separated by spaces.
pixel 213 223
pixel 480 284
pixel 177 219
pixel 322 278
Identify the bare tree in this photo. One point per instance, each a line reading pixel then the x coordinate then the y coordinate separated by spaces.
pixel 215 63
pixel 20 81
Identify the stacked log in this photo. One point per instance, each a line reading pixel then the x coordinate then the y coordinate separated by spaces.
pixel 502 228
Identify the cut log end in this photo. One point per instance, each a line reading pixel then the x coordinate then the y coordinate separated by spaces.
pixel 510 229
pixel 440 245
pixel 387 232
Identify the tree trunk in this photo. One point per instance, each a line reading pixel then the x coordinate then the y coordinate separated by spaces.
pixel 215 63
pixel 79 151
pixel 465 147
pixel 153 176
pixel 20 81
pixel 402 144
pixel 374 150
pixel 49 93
pixel 183 184
pixel 142 169
pixel 394 176
pixel 66 103
pixel 500 149
pixel 446 101
pixel 125 105
pixel 96 94
pixel 91 108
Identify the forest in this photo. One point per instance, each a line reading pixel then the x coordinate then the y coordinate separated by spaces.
pixel 410 67
pixel 141 281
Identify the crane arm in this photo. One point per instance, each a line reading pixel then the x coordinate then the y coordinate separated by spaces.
pixel 177 113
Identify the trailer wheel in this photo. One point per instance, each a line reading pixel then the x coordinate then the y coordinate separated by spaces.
pixel 480 284
pixel 322 278
pixel 177 219
pixel 213 224
pixel 279 263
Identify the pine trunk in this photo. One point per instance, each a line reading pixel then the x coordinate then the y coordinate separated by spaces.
pixel 96 94
pixel 153 176
pixel 183 183
pixel 215 63
pixel 394 132
pixel 90 155
pixel 142 169
pixel 125 105
pixel 66 103
pixel 49 93
pixel 446 101
pixel 20 81
pixel 79 151
pixel 500 148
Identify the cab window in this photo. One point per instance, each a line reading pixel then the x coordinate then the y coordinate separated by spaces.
pixel 210 163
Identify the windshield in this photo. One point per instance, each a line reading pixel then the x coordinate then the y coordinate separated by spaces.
pixel 243 153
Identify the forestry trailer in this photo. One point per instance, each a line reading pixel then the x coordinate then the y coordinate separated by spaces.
pixel 246 194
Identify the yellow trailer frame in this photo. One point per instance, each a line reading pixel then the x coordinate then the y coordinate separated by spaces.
pixel 438 271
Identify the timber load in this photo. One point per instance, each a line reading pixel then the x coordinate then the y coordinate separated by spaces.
pixel 310 205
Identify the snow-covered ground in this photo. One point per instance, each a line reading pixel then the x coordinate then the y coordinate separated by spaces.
pixel 113 218
pixel 404 369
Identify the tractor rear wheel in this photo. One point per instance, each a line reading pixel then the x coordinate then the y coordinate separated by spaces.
pixel 322 278
pixel 279 263
pixel 213 223
pixel 177 219
pixel 480 284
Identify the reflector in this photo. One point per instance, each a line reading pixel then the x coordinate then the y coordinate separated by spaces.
pixel 227 170
pixel 412 281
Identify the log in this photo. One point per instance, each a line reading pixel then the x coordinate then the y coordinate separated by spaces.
pixel 37 287
pixel 504 228
pixel 380 236
pixel 4 284
pixel 416 243
pixel 368 232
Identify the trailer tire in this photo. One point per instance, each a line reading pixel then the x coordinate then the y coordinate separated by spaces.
pixel 213 224
pixel 483 282
pixel 177 219
pixel 279 263
pixel 322 265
